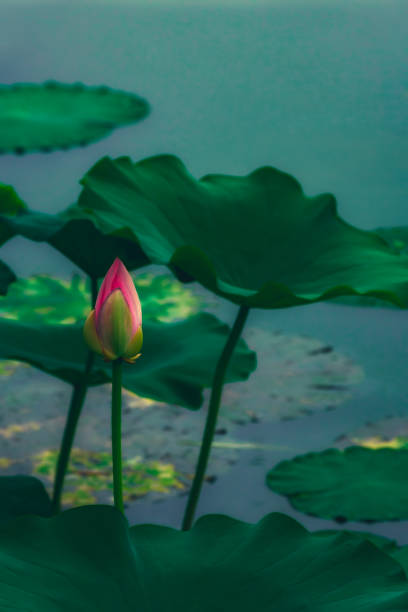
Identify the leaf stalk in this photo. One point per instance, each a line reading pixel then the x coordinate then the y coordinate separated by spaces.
pixel 212 415
pixel 77 401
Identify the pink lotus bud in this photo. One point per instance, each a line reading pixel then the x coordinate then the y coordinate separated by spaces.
pixel 114 328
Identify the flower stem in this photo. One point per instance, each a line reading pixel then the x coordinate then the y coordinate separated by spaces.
pixel 77 401
pixel 213 408
pixel 116 433
pixel 74 412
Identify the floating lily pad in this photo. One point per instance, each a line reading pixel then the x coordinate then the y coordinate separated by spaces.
pixel 255 240
pixel 89 476
pixel 89 559
pixel 54 115
pixel 385 433
pixel 43 299
pixel 177 362
pixel 357 484
pixel 7 277
pixel 7 367
pixel 33 413
pixel 295 376
pixel 20 495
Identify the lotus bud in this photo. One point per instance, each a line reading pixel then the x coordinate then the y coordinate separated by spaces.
pixel 114 328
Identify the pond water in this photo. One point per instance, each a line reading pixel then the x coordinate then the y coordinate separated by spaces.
pixel 316 89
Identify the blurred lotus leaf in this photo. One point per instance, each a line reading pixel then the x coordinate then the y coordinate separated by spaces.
pixel 391 432
pixel 33 413
pixel 355 484
pixel 71 232
pixel 295 376
pixel 43 299
pixel 89 476
pixel 221 564
pixel 49 116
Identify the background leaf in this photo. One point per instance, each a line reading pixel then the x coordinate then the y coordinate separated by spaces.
pixel 177 362
pixel 255 239
pixel 73 234
pixel 87 559
pixel 357 484
pixel 59 116
pixel 44 299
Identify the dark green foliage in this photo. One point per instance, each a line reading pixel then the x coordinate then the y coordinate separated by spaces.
pixel 87 559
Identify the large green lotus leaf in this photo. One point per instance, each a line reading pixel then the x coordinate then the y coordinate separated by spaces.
pixel 256 240
pixel 59 116
pixel 7 277
pixel 71 232
pixel 355 484
pixel 21 495
pixel 397 240
pixel 88 559
pixel 396 237
pixel 43 299
pixel 178 359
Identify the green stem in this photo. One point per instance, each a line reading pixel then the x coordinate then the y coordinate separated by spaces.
pixel 213 408
pixel 116 433
pixel 75 408
pixel 77 401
